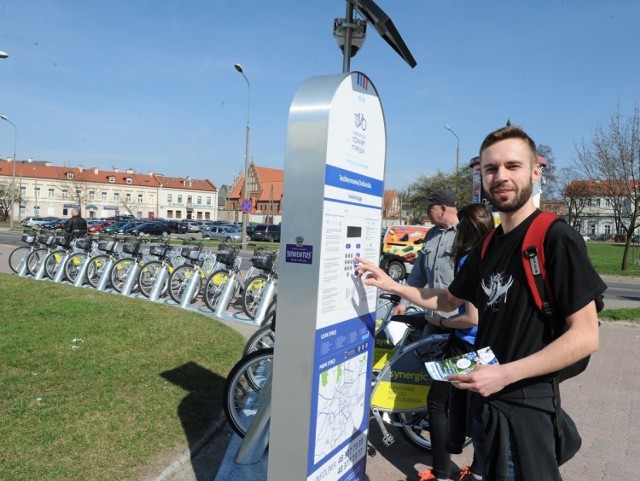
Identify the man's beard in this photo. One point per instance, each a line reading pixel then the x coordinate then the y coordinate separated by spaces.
pixel 521 198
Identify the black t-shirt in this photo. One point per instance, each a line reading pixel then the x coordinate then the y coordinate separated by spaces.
pixel 509 321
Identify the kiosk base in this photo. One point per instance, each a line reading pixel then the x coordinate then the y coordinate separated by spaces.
pixel 229 469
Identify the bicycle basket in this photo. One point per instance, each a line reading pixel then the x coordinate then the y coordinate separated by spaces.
pixel 106 245
pixel 190 252
pixel 158 250
pixel 63 241
pixel 84 243
pixel 226 257
pixel 263 262
pixel 131 247
pixel 45 239
pixel 28 237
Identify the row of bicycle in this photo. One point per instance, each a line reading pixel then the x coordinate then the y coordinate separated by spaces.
pixel 155 268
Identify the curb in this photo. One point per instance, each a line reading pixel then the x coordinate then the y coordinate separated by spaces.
pixel 185 458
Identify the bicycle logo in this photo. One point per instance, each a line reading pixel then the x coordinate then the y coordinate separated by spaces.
pixel 360 121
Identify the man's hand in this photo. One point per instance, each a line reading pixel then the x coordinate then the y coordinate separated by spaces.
pixel 372 275
pixel 485 380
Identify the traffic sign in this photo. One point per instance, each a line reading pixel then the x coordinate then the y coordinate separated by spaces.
pixel 246 205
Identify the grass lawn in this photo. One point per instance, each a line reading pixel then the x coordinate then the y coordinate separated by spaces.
pixel 93 385
pixel 607 258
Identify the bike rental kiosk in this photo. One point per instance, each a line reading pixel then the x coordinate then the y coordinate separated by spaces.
pixel 334 174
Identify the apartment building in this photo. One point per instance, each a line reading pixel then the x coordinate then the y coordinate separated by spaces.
pixel 49 190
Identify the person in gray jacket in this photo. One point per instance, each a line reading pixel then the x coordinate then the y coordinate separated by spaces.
pixel 434 267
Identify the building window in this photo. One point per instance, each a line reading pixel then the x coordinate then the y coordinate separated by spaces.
pixel 607 202
pixel 207 215
pixel 179 199
pixel 598 202
pixel 127 197
pixel 169 198
pixel 92 195
pixel 607 229
pixel 103 195
pixel 51 194
pixel 140 198
pixel 169 214
pixel 70 175
pixel 65 194
pixel 199 200
pixel 199 216
pixel 112 179
pixel 116 197
pixel 129 180
pixel 178 214
pixel 36 193
pixel 208 200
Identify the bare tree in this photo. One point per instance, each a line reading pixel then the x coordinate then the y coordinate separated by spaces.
pixel 576 198
pixel 9 196
pixel 612 158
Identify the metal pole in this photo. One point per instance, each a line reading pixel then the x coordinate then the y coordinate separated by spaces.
pixel 346 61
pixel 446 126
pixel 245 192
pixel 13 178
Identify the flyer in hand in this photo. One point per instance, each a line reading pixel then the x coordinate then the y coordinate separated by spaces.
pixel 440 370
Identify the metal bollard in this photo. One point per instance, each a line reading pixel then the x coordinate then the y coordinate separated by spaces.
pixel 255 442
pixel 225 296
pixel 263 306
pixel 132 278
pixel 82 273
pixel 60 268
pixel 105 277
pixel 185 302
pixel 158 285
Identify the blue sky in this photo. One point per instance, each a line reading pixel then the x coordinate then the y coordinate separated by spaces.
pixel 151 84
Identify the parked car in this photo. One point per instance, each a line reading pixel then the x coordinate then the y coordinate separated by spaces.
pixel 96 226
pixel 128 227
pixel 54 224
pixel 251 227
pixel 193 226
pixel 151 228
pixel 177 226
pixel 266 232
pixel 38 221
pixel 222 233
pixel 113 228
pixel 400 247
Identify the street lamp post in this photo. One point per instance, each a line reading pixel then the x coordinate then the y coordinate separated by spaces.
pixel 245 193
pixel 448 127
pixel 13 178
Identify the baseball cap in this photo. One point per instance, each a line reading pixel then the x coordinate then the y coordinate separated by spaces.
pixel 442 197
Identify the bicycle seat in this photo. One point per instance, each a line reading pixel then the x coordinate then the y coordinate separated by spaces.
pixel 395 298
pixel 417 320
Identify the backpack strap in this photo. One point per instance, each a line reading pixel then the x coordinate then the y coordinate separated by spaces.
pixel 533 261
pixel 486 242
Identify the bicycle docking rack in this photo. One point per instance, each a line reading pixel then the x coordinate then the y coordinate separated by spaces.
pixel 82 273
pixel 189 292
pixel 160 280
pixel 22 269
pixel 106 275
pixel 40 273
pixel 60 269
pixel 132 278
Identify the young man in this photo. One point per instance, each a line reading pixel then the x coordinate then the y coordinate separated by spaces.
pixel 513 402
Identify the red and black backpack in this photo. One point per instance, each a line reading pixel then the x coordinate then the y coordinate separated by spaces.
pixel 533 262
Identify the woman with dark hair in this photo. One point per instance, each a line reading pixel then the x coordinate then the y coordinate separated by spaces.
pixel 447 406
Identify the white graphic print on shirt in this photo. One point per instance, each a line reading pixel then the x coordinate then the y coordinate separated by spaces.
pixel 496 291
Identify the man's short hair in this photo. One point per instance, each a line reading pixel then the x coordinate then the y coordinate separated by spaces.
pixel 510 132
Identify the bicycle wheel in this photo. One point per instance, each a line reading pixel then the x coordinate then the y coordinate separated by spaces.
pixel 95 269
pixel 34 258
pixel 240 393
pixel 179 281
pixel 73 264
pixel 147 278
pixel 253 294
pixel 263 338
pixel 213 287
pixel 16 257
pixel 120 271
pixel 414 426
pixel 53 262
